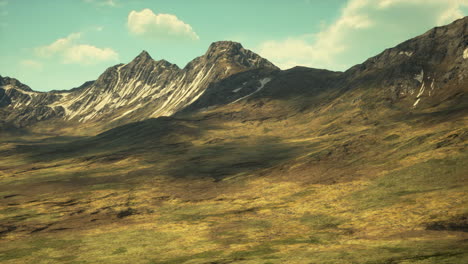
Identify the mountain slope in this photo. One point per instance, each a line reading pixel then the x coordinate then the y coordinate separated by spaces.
pixel 423 72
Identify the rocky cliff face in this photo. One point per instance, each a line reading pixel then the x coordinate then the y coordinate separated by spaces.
pixel 20 105
pixel 422 72
pixel 138 90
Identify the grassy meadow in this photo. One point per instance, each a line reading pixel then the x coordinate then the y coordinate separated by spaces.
pixel 243 183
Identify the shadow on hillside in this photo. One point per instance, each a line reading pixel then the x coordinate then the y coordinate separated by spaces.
pixel 131 138
pixel 221 160
pixel 166 144
pixel 284 85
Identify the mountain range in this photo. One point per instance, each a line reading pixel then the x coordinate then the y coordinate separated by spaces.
pixel 141 89
pixel 232 160
pixel 145 88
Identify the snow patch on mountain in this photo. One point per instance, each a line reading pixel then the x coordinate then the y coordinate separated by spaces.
pixel 262 82
pixel 419 77
pixel 237 89
pixel 407 53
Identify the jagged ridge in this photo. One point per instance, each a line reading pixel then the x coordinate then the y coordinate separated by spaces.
pixel 426 71
pixel 138 90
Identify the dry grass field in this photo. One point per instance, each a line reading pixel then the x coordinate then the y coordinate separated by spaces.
pixel 261 181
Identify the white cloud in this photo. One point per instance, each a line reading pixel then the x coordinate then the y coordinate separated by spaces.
pixel 450 9
pixel 70 51
pixel 162 26
pixel 451 13
pixel 32 64
pixel 58 46
pixel 87 54
pixel 292 52
pixel 361 22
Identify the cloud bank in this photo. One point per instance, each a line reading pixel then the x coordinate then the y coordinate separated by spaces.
pixel 159 26
pixel 70 51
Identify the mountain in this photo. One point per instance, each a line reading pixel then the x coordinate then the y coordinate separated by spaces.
pixel 422 72
pixel 426 72
pixel 410 75
pixel 265 166
pixel 138 90
pixel 20 104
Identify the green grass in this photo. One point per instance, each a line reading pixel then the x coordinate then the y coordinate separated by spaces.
pixel 427 176
pixel 204 255
pixel 320 221
pixel 35 248
pixel 260 251
pixel 248 186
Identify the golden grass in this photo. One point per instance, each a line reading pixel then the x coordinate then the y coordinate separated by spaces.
pixel 319 192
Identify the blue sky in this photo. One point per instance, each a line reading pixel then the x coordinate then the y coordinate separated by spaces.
pixel 59 44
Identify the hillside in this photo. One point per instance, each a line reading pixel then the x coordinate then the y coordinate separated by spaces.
pixel 264 166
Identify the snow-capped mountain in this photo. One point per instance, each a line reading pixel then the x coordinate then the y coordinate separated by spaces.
pixel 141 89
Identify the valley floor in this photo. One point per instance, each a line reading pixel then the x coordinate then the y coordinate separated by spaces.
pixel 303 190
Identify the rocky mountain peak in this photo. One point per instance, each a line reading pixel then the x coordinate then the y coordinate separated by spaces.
pixel 232 54
pixel 142 59
pixel 166 65
pixel 144 62
pixel 14 83
pixel 144 55
pixel 224 47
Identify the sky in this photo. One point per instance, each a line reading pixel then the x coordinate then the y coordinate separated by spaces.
pixel 60 44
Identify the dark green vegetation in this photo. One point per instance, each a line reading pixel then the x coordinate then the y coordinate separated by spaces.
pixel 305 171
